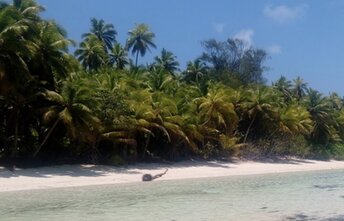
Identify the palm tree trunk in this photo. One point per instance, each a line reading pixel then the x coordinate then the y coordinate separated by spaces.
pixel 46 137
pixel 146 147
pixel 249 127
pixel 94 154
pixel 137 58
pixel 15 146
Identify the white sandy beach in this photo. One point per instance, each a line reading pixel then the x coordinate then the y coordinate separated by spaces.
pixel 84 175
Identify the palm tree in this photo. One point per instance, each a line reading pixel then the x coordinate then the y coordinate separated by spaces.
pixel 119 57
pixel 91 53
pixel 159 79
pixel 140 40
pixel 195 71
pixel 52 55
pixel 28 9
pixel 285 87
pixel 323 117
pixel 260 102
pixel 72 108
pixel 105 33
pixel 337 101
pixel 15 51
pixel 339 118
pixel 169 122
pixel 217 111
pixel 295 119
pixel 300 88
pixel 167 61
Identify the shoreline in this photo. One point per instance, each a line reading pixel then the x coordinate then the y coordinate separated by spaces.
pixel 86 175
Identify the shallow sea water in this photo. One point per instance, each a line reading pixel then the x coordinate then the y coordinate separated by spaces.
pixel 288 196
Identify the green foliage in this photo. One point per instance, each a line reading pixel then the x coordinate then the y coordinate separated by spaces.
pixel 337 151
pixel 232 59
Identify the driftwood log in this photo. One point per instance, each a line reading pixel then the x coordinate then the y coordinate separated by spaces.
pixel 149 177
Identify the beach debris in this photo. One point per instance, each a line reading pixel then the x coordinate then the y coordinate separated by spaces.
pixel 149 177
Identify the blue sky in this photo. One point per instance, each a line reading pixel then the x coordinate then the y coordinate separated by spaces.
pixel 303 38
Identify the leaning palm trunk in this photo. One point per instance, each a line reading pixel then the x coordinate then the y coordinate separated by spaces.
pixel 146 146
pixel 46 138
pixel 95 153
pixel 249 127
pixel 15 146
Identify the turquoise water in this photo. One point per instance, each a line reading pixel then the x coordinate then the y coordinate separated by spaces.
pixel 290 196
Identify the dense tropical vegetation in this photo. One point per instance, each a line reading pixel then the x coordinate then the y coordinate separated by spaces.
pixel 99 105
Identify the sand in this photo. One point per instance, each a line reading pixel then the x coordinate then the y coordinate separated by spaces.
pixel 84 175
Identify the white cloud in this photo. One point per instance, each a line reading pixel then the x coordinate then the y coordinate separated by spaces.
pixel 284 13
pixel 274 49
pixel 246 36
pixel 219 27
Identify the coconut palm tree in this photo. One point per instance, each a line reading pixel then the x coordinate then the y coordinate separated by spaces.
pixel 217 111
pixel 195 71
pixel 167 61
pixel 337 101
pixel 171 123
pixel 118 57
pixel 140 40
pixel 72 108
pixel 285 87
pixel 323 117
pixel 105 33
pixel 159 79
pixel 28 9
pixel 91 53
pixel 13 46
pixel 299 88
pixel 295 119
pixel 339 118
pixel 262 103
pixel 51 57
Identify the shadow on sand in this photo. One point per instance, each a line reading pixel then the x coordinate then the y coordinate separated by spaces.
pixel 276 160
pixel 100 170
pixel 65 170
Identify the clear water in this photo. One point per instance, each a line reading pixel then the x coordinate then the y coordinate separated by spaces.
pixel 291 196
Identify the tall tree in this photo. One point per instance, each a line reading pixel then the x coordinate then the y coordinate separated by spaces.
pixel 106 33
pixel 13 49
pixel 285 87
pixel 51 58
pixel 259 104
pixel 233 59
pixel 299 88
pixel 295 119
pixel 29 9
pixel 91 53
pixel 73 109
pixel 140 40
pixel 217 111
pixel 195 71
pixel 167 61
pixel 118 56
pixel 323 117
